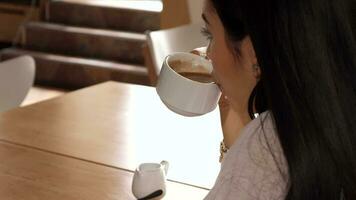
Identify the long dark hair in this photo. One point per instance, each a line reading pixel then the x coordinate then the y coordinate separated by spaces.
pixel 307 55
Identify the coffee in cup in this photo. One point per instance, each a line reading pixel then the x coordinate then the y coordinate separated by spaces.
pixel 196 73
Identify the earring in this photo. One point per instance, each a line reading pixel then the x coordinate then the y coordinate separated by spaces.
pixel 255 66
pixel 256 70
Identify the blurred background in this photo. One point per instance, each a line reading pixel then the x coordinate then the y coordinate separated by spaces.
pixel 78 43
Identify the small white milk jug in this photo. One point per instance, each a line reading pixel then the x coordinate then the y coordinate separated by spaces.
pixel 149 180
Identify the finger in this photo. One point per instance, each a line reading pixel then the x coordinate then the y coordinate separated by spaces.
pixel 224 107
pixel 201 51
pixel 224 102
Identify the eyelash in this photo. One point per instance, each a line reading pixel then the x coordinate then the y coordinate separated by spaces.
pixel 205 32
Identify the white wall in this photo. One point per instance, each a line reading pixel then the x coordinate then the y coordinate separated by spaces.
pixel 195 10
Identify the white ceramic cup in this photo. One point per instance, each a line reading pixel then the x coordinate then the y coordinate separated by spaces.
pixel 149 180
pixel 185 96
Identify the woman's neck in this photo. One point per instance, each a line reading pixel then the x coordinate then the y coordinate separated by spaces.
pixel 232 126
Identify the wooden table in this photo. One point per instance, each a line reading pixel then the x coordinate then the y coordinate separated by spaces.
pixel 86 144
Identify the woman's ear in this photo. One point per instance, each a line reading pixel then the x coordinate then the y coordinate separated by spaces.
pixel 256 71
pixel 251 54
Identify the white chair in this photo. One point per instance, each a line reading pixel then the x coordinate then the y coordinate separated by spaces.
pixel 163 42
pixel 16 79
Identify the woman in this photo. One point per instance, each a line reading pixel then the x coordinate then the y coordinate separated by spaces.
pixel 292 62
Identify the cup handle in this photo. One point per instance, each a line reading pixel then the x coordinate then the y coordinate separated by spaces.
pixel 165 165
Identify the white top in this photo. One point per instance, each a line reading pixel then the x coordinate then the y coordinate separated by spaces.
pixel 254 167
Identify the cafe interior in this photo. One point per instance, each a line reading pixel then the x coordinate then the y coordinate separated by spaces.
pixel 79 109
pixel 79 112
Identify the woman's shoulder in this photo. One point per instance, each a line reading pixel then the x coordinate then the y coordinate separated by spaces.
pixel 259 137
pixel 258 142
pixel 255 164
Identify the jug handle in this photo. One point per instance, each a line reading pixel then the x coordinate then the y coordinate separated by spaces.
pixel 165 165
